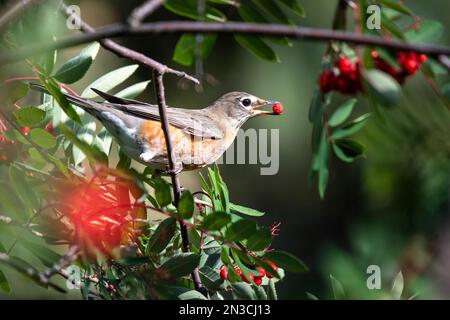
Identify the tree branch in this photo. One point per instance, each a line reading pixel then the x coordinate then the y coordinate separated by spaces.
pixel 140 13
pixel 174 170
pixel 91 34
pixel 11 13
pixel 169 27
pixel 32 273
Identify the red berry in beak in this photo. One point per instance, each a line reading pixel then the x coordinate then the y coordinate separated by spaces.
pixel 277 108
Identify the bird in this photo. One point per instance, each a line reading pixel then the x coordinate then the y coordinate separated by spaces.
pixel 199 136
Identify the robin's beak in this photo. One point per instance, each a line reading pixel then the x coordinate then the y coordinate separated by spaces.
pixel 261 104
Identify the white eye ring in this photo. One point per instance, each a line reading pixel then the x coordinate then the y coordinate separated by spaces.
pixel 246 102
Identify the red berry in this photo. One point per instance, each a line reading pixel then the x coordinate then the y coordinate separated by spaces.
pixel 345 65
pixel 262 272
pixel 375 54
pixel 422 58
pixel 238 271
pixel 277 108
pixel 258 281
pixel 274 267
pixel 25 130
pixel 243 277
pixel 326 81
pixel 223 273
pixel 411 66
pixel 49 128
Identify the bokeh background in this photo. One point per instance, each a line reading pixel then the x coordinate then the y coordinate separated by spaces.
pixel 389 209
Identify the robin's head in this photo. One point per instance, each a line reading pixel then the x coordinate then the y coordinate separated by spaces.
pixel 238 107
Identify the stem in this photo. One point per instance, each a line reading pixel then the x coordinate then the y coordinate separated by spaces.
pixel 173 170
pixel 140 13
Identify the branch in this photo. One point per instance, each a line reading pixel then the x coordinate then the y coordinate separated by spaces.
pixel 170 27
pixel 36 276
pixel 140 13
pixel 91 34
pixel 173 169
pixel 12 12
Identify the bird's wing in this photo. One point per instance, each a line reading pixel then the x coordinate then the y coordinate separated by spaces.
pixel 193 122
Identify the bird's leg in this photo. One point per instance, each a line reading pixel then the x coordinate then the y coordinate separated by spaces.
pixel 178 168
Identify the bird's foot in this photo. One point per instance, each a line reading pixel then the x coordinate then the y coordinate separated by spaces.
pixel 176 170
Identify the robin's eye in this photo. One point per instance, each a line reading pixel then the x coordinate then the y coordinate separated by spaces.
pixel 246 102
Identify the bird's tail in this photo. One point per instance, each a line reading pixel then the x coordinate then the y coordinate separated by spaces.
pixel 86 104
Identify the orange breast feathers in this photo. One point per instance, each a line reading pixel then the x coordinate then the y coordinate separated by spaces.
pixel 187 148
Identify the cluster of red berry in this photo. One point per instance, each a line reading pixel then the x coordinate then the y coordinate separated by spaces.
pixel 256 279
pixel 345 77
pixel 277 108
pixel 345 81
pixel 8 150
pixel 409 63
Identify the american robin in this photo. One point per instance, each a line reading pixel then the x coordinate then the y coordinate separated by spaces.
pixel 200 136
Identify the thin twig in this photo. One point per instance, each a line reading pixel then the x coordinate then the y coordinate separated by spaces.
pixel 143 11
pixel 12 12
pixel 72 254
pixel 170 27
pixel 173 168
pixel 91 34
pixel 38 277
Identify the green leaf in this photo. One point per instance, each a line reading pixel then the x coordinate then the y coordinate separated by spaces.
pixel 180 265
pixel 250 13
pixel 42 138
pixel 273 9
pixel 163 192
pixel 86 134
pixel 162 236
pixel 245 210
pixel 342 113
pixel 337 288
pixel 91 151
pixel 29 116
pixel 445 90
pixel 45 255
pixel 103 141
pixel 23 188
pixel 260 240
pixel 210 278
pixel 286 261
pixel 188 9
pixel 215 221
pixel 14 91
pixel 4 284
pixel 310 296
pixel 240 230
pixel 186 48
pixel 315 107
pixel 133 91
pixel 109 81
pixel 75 68
pixel 348 150
pixel 394 5
pixel 258 47
pixel 390 26
pixel 429 31
pixel 294 6
pixel 243 291
pixel 53 88
pixel 191 295
pixel 385 88
pixel 397 286
pixel 351 128
pixel 272 291
pixel 186 205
